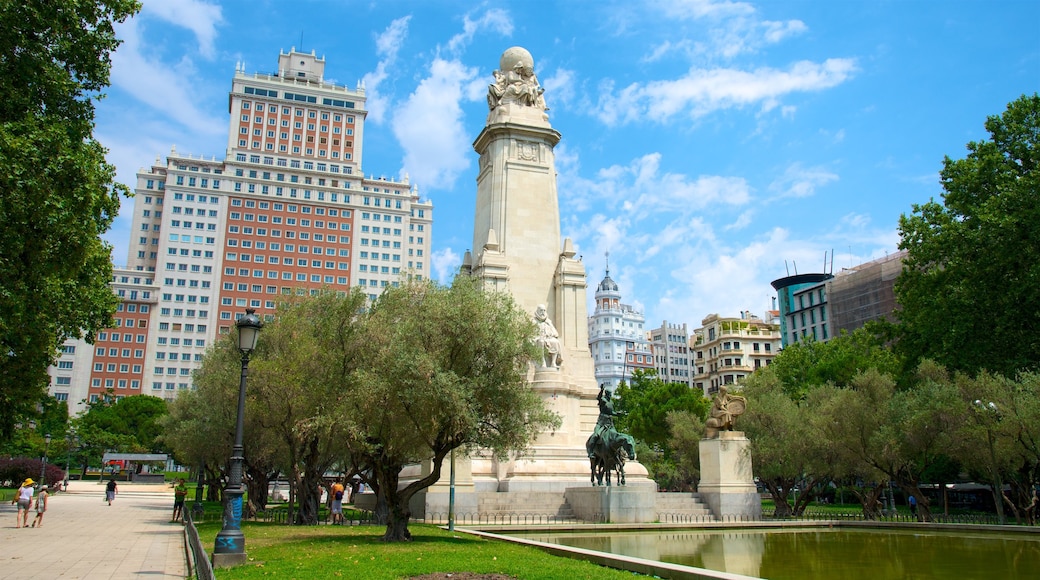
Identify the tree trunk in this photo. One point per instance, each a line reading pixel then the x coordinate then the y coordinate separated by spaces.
pixel 924 514
pixel 808 494
pixel 256 489
pixel 779 493
pixel 213 485
pixel 398 513
pixel 870 499
pixel 380 515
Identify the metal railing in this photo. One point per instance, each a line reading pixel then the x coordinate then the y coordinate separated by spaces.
pixel 858 516
pixel 198 561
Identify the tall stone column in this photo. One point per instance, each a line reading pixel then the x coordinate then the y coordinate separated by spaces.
pixel 517 248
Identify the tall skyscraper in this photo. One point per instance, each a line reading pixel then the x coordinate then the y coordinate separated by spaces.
pixel 288 210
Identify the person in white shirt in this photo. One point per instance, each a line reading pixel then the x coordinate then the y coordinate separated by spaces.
pixel 23 498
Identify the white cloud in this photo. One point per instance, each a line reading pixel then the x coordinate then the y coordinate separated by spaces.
pixel 743 221
pixel 559 88
pixel 197 16
pixel 388 43
pixel 702 91
pixel 668 47
pixel 428 125
pixel 732 28
pixel 694 9
pixel 798 181
pixel 496 20
pixel 641 188
pixel 168 88
pixel 445 263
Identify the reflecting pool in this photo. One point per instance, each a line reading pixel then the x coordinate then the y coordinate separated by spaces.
pixel 798 553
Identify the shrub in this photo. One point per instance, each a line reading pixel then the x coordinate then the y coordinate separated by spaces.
pixel 13 471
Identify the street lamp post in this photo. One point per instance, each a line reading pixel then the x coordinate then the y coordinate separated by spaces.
pixel 71 442
pixel 230 545
pixel 43 466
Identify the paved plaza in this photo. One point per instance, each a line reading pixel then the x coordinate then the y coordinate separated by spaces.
pixel 83 537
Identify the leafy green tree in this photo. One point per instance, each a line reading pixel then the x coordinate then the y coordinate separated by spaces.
pixel 686 431
pixel 299 381
pixel 200 428
pixel 806 365
pixel 787 452
pixel 645 402
pixel 999 441
pixel 57 193
pixel 899 433
pixel 444 368
pixel 971 278
pixel 135 420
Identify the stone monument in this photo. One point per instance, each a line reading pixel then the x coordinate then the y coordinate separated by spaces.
pixel 517 248
pixel 727 483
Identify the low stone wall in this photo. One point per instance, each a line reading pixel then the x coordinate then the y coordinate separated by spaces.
pixel 613 504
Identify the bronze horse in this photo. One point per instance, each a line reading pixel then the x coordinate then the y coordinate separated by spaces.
pixel 609 455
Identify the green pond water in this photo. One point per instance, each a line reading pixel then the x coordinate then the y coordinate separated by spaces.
pixel 850 554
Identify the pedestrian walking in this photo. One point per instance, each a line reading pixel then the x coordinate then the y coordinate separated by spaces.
pixel 23 498
pixel 41 506
pixel 110 490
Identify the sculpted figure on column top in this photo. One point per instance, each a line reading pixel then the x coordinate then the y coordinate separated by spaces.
pixel 515 81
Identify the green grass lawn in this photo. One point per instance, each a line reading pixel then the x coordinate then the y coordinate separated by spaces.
pixel 356 552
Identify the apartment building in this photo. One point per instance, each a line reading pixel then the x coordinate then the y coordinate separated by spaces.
pixel 288 210
pixel 671 349
pixel 727 350
pixel 616 337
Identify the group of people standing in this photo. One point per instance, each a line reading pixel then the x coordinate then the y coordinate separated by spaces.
pixel 24 499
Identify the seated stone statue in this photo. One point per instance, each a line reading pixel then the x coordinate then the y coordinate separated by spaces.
pixel 724 409
pixel 548 339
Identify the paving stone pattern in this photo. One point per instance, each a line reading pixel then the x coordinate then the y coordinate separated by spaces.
pixel 83 537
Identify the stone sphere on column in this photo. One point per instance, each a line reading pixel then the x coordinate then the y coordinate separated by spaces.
pixel 515 55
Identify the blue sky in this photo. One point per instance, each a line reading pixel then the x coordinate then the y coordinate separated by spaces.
pixel 709 146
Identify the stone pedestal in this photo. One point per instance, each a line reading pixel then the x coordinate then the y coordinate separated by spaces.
pixel 727 484
pixel 616 505
pixel 432 502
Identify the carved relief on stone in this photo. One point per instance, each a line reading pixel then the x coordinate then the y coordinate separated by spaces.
pixel 485 161
pixel 527 150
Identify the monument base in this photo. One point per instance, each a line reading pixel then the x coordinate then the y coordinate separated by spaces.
pixel 617 505
pixel 727 483
pixel 228 560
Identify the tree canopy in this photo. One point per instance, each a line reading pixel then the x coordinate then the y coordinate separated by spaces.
pixel 137 419
pixel 57 192
pixel 334 382
pixel 645 402
pixel 971 278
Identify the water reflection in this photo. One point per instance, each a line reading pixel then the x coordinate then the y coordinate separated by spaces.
pixel 825 553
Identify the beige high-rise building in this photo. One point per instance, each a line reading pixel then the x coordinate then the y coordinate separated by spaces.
pixel 288 209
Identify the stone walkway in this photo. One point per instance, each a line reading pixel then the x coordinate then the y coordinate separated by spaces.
pixel 83 537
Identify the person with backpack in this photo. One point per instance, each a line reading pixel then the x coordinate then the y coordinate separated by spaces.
pixel 110 491
pixel 337 502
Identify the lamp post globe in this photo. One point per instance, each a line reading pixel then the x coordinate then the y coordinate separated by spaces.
pixel 230 545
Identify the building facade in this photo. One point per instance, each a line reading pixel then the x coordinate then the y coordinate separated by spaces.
pixel 671 348
pixel 726 350
pixel 616 337
pixel 289 210
pixel 822 306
